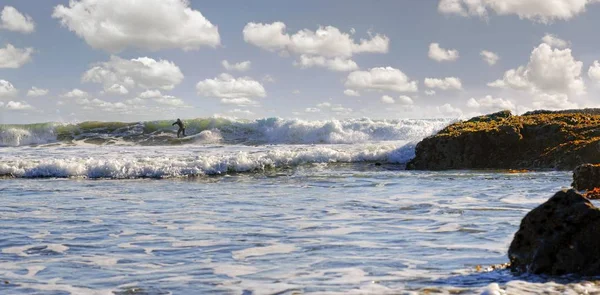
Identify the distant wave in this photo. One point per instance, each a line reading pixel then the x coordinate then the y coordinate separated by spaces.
pixel 220 130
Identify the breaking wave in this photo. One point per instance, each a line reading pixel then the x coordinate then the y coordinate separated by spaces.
pixel 222 131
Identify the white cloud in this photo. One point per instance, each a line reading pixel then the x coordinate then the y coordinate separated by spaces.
pixel 381 78
pixel 444 84
pixel 17 106
pixel 488 104
pixel 404 100
pixel 240 66
pixel 536 10
pixel 267 36
pixel 326 47
pixel 240 111
pixel 11 19
pixel 430 92
pixel 158 97
pixel 594 71
pixel 98 104
pixel 12 57
pixel 117 89
pixel 7 89
pixel 240 101
pixel 551 71
pixel 325 41
pixel 449 110
pixel 350 92
pixel 296 91
pixel 268 78
pixel 34 91
pixel 335 64
pixel 231 90
pixel 114 25
pixel 553 102
pixel 554 41
pixel 440 54
pixel 150 94
pixel 324 105
pixel 312 110
pixel 76 93
pixel 142 72
pixel 387 99
pixel 169 100
pixel 489 57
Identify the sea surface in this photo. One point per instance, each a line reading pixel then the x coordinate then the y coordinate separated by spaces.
pixel 270 206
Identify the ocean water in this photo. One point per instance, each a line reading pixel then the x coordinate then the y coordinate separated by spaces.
pixel 270 206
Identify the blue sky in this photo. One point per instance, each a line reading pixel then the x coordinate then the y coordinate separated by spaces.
pixel 132 60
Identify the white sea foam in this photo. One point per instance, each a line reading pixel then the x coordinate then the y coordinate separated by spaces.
pixel 261 251
pixel 155 162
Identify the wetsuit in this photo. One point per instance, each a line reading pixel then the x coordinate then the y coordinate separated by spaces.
pixel 181 127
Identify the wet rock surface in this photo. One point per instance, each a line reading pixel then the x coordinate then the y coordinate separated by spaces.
pixel 558 237
pixel 536 140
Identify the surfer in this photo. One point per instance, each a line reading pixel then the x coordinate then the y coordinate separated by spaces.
pixel 181 127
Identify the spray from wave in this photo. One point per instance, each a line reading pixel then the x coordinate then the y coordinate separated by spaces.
pixel 222 131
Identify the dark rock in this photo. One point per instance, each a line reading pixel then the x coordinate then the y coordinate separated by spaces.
pixel 542 140
pixel 586 177
pixel 558 237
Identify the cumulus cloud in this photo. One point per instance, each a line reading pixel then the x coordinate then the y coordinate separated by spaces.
pixel 76 93
pixel 268 78
pixel 326 47
pixel 444 84
pixel 350 92
pixel 17 106
pixel 240 66
pixel 142 72
pixel 11 19
pixel 488 104
pixel 594 71
pixel 325 41
pixel 34 92
pixel 240 111
pixel 117 89
pixel 404 100
pixel 114 25
pixel 449 110
pixel 231 90
pixel 335 64
pixel 440 54
pixel 429 92
pixel 554 41
pixel 12 57
pixel 554 101
pixel 489 57
pixel 326 106
pixel 387 99
pixel 158 97
pixel 543 11
pixel 381 78
pixel 552 71
pixel 7 89
pixel 98 104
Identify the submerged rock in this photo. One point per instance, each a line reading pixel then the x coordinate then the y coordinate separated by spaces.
pixel 558 237
pixel 543 139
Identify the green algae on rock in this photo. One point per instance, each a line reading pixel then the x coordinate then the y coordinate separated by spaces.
pixel 534 140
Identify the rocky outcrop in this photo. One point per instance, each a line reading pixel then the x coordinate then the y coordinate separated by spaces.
pixel 536 140
pixel 558 237
pixel 586 177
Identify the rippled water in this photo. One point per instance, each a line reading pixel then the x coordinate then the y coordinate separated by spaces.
pixel 354 228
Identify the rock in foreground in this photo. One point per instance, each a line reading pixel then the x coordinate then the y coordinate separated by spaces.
pixel 555 140
pixel 558 237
